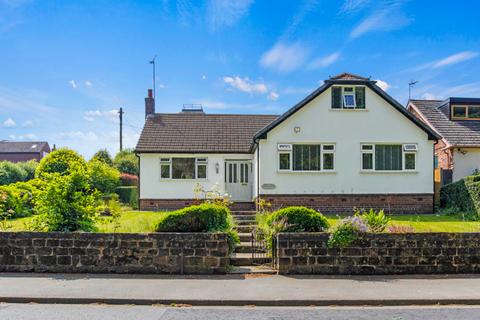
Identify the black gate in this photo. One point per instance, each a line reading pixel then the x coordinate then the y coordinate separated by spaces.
pixel 261 253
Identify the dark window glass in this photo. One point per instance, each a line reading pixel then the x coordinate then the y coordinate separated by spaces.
pixel 328 161
pixel 459 112
pixel 474 112
pixel 409 161
pixel 388 157
pixel 284 159
pixel 367 161
pixel 336 98
pixel 201 171
pixel 306 157
pixel 349 101
pixel 183 168
pixel 165 171
pixel 360 97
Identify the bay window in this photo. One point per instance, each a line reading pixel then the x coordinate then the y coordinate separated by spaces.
pixel 183 168
pixel 306 157
pixel 388 157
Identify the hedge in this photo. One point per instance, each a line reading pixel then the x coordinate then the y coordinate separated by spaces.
pixel 128 195
pixel 463 194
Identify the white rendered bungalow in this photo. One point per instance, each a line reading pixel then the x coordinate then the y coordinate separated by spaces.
pixel 348 144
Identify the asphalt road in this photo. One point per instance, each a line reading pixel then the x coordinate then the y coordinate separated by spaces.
pixel 108 312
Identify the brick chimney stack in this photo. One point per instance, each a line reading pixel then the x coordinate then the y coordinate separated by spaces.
pixel 149 104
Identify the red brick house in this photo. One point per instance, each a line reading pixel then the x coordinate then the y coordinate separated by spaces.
pixel 23 151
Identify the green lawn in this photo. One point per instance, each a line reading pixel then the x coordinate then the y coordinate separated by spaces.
pixel 145 221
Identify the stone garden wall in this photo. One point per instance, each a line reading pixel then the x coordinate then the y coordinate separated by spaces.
pixel 189 253
pixel 411 253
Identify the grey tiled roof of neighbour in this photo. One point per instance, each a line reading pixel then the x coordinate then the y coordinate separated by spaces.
pixel 456 133
pixel 191 132
pixel 23 146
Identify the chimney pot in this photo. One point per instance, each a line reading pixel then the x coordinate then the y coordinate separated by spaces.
pixel 149 104
pixel 150 93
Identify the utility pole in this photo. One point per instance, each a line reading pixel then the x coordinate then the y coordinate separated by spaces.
pixel 120 114
pixel 410 86
pixel 152 62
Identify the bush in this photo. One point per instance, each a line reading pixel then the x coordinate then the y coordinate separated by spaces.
pixel 126 162
pixel 103 177
pixel 11 172
pixel 29 168
pixel 67 203
pixel 347 231
pixel 19 199
pixel 128 179
pixel 463 194
pixel 290 219
pixel 375 221
pixel 200 218
pixel 128 195
pixel 62 161
pixel 103 156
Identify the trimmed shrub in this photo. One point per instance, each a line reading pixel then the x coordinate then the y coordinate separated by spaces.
pixel 103 177
pixel 104 156
pixel 11 172
pixel 463 194
pixel 62 161
pixel 29 168
pixel 128 195
pixel 200 218
pixel 128 179
pixel 127 162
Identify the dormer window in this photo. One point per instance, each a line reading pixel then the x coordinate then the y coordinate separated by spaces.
pixel 348 97
pixel 466 112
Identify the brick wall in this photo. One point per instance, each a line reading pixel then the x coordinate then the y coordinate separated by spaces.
pixel 190 253
pixel 413 253
pixel 175 204
pixel 337 204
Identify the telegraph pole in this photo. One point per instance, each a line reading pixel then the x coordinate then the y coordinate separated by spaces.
pixel 120 114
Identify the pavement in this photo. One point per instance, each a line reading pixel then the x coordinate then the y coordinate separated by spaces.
pixel 108 312
pixel 240 290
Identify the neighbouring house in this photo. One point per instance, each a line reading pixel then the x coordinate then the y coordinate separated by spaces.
pixel 457 120
pixel 18 151
pixel 347 144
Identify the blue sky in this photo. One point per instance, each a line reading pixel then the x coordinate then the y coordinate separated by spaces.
pixel 66 66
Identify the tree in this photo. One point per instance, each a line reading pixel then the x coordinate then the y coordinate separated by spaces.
pixel 104 156
pixel 103 177
pixel 126 162
pixel 62 161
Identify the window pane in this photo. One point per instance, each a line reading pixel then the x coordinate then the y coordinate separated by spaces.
pixel 474 112
pixel 409 161
pixel 367 161
pixel 349 100
pixel 328 147
pixel 284 159
pixel 165 171
pixel 459 112
pixel 360 97
pixel 367 147
pixel 246 173
pixel 328 161
pixel 201 171
pixel 388 157
pixel 230 172
pixel 183 168
pixel 306 157
pixel 336 97
pixel 235 173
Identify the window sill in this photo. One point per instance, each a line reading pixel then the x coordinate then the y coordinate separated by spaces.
pixel 348 110
pixel 307 172
pixel 387 171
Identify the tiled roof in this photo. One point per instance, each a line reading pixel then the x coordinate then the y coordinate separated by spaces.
pixel 457 133
pixel 23 147
pixel 199 132
pixel 348 76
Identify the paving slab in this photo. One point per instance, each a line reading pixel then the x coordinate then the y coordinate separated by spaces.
pixel 238 290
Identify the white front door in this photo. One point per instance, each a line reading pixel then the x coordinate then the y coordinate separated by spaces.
pixel 238 179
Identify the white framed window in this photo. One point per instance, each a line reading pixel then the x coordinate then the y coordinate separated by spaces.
pixel 183 168
pixel 349 98
pixel 307 157
pixel 165 168
pixel 388 157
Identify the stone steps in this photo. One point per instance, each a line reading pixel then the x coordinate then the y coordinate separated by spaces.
pixel 244 228
pixel 244 213
pixel 244 217
pixel 245 259
pixel 253 270
pixel 245 237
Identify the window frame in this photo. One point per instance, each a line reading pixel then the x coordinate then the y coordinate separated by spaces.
pixel 322 152
pixel 166 162
pixel 467 112
pixel 344 94
pixel 199 161
pixel 373 153
pixel 350 94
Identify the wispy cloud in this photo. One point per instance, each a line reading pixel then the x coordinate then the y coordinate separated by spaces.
pixel 384 16
pixel 24 100
pixel 73 84
pixel 306 7
pixel 209 104
pixel 88 83
pixel 27 136
pixel 92 115
pixel 350 6
pixel 245 85
pixel 324 61
pixel 221 13
pixel 383 85
pixel 28 124
pixel 273 96
pixel 87 136
pixel 448 61
pixel 284 57
pixel 9 123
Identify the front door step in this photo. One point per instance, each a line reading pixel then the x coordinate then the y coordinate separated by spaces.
pixel 253 270
pixel 245 259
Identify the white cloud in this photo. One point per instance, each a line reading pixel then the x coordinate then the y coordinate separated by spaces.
pixel 28 124
pixel 383 85
pixel 78 135
pixel 73 84
pixel 273 96
pixel 454 59
pixel 92 115
pixel 245 85
pixel 28 137
pixel 88 83
pixel 353 5
pixel 285 57
pixel 204 77
pixel 227 13
pixel 162 86
pixel 9 123
pixel 386 17
pixel 429 96
pixel 324 61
